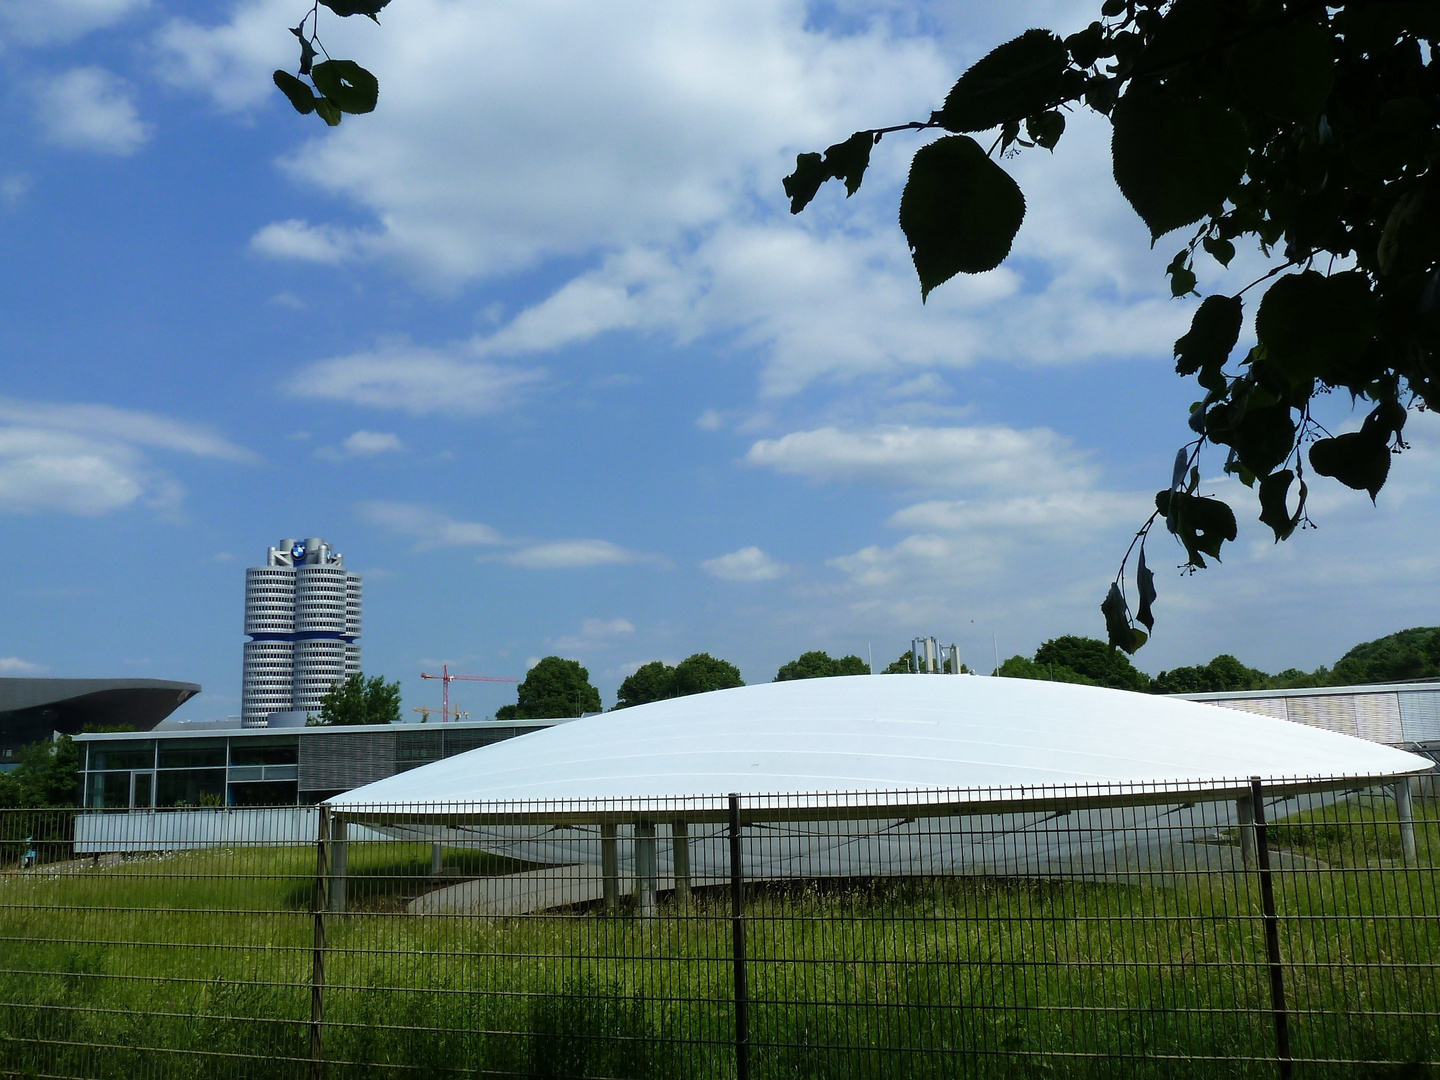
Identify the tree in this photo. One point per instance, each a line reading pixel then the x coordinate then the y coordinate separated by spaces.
pixel 1310 130
pixel 1093 660
pixel 701 673
pixel 1018 667
pixel 654 681
pixel 1407 654
pixel 357 700
pixel 1224 673
pixel 47 776
pixel 553 689
pixel 820 665
pixel 901 665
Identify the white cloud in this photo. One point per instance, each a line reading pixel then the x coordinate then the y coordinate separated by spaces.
pixel 929 457
pixel 13 665
pixel 595 634
pixel 415 380
pixel 367 443
pixel 430 527
pixel 653 119
pixel 125 425
pixel 90 108
pixel 54 22
pixel 303 242
pixel 747 564
pixel 90 459
pixel 573 554
pixel 433 529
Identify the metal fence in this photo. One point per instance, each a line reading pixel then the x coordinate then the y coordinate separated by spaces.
pixel 1218 930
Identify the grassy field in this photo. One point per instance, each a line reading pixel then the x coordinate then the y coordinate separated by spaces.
pixel 199 965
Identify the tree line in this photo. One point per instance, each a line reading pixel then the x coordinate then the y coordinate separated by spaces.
pixel 1404 655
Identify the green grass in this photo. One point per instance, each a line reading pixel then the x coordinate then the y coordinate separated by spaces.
pixel 199 965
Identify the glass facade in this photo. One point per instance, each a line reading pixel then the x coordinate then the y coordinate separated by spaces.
pixel 142 774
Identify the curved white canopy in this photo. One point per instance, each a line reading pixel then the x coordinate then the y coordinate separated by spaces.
pixel 878 733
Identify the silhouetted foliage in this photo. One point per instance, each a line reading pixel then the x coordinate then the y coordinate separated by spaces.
pixel 1309 130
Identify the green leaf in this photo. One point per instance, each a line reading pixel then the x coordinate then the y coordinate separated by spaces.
pixel 328 111
pixel 1018 79
pixel 1045 128
pixel 1085 46
pixel 1309 323
pixel 1122 635
pixel 960 211
pixel 307 50
pixel 803 184
pixel 1358 460
pixel 848 160
pixel 1274 504
pixel 1201 524
pixel 1145 586
pixel 347 84
pixel 1182 281
pixel 1287 71
pixel 1206 346
pixel 1222 251
pixel 1263 436
pixel 1177 156
pixel 300 95
pixel 346 8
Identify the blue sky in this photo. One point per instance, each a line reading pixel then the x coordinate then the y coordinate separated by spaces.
pixel 540 349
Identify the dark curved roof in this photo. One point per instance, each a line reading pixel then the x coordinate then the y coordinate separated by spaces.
pixel 30 709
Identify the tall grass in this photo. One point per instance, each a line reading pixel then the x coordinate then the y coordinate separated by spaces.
pixel 199 965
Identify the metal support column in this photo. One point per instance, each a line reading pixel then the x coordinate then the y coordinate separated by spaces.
pixel 339 863
pixel 609 869
pixel 437 860
pixel 645 869
pixel 680 856
pixel 1272 935
pixel 1245 819
pixel 1405 811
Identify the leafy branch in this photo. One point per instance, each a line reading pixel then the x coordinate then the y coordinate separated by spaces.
pixel 1310 128
pixel 336 87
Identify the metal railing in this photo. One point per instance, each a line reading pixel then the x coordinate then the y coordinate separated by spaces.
pixel 1192 930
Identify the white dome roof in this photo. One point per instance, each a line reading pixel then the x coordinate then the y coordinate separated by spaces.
pixel 876 733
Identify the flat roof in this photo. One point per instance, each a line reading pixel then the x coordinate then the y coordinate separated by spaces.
pixel 319 729
pixel 1421 685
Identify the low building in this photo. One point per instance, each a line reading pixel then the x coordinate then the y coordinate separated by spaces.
pixel 241 766
pixel 1397 714
pixel 33 710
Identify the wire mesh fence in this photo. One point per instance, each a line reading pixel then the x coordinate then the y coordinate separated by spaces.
pixel 1195 930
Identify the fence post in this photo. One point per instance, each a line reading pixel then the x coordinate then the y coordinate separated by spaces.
pixel 317 971
pixel 1272 934
pixel 737 924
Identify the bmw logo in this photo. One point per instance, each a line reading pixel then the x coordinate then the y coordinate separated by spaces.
pixel 297 552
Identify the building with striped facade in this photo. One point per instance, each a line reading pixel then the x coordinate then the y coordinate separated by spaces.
pixel 302 616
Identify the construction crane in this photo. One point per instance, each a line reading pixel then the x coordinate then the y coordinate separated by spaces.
pixel 428 712
pixel 446 679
